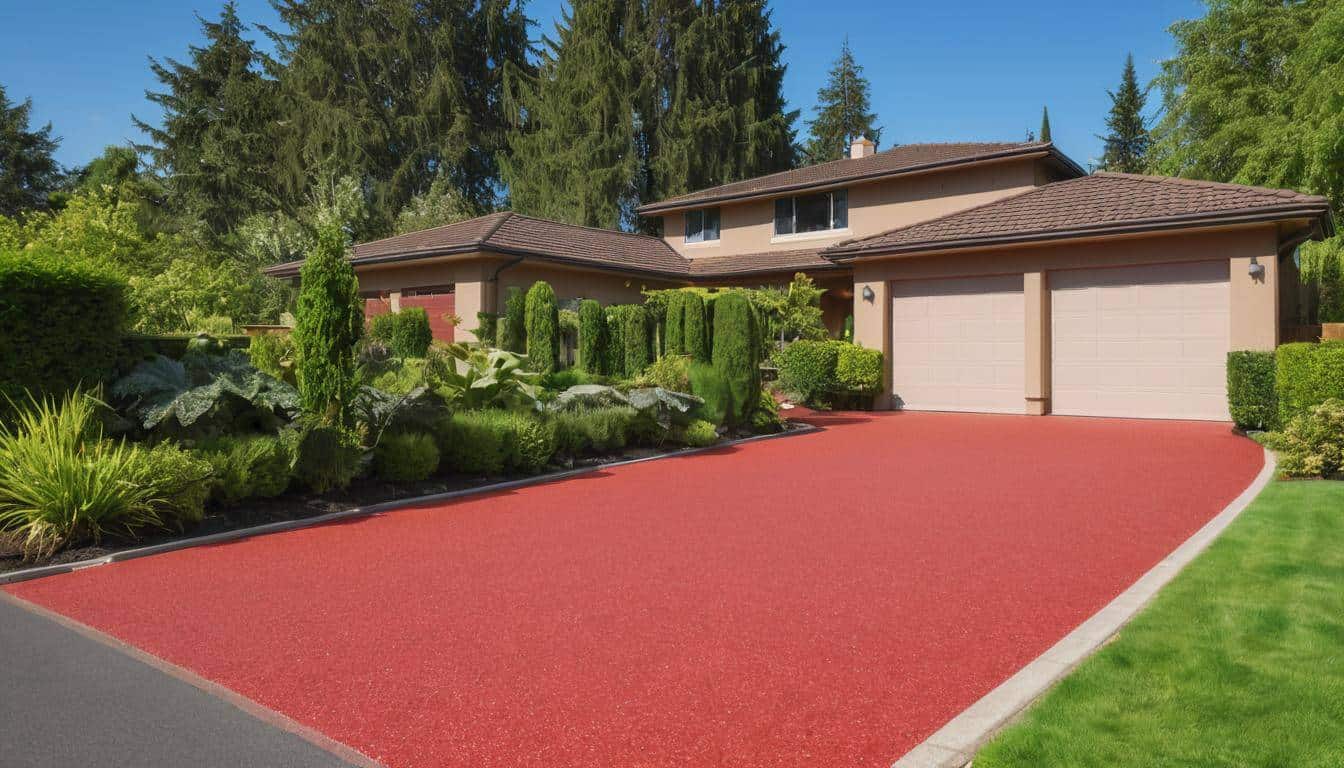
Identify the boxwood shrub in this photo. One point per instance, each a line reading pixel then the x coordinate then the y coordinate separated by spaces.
pixel 61 323
pixel 1251 396
pixel 406 457
pixel 1307 375
pixel 411 334
pixel 807 370
pixel 858 370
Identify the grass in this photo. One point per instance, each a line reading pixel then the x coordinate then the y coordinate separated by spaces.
pixel 1238 662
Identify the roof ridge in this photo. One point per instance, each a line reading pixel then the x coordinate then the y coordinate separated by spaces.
pixel 603 230
pixel 504 216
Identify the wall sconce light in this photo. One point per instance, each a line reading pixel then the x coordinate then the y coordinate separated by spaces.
pixel 1256 269
pixel 868 294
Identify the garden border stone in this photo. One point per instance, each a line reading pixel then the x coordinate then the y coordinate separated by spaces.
pixel 956 743
pixel 13 577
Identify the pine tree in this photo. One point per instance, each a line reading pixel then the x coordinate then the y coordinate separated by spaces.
pixel 215 148
pixel 396 93
pixel 1045 124
pixel 843 111
pixel 1127 137
pixel 28 173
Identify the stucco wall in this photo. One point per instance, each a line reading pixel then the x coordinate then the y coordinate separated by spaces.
pixel 605 287
pixel 1255 310
pixel 874 207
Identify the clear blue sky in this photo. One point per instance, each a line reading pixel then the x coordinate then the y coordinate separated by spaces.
pixel 941 70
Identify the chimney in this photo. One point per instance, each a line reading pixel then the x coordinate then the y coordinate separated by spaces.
pixel 862 147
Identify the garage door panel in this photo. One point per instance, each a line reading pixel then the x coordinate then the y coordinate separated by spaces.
pixel 1147 342
pixel 972 350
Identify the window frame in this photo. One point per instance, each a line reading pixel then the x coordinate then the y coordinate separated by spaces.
pixel 703 215
pixel 838 201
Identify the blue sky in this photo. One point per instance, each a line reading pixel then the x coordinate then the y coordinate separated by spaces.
pixel 940 70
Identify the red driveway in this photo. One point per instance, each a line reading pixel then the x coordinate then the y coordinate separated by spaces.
pixel 826 599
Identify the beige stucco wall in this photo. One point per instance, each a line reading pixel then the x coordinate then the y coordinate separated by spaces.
pixel 605 287
pixel 874 207
pixel 1255 308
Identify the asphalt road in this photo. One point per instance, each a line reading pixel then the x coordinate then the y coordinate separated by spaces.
pixel 67 700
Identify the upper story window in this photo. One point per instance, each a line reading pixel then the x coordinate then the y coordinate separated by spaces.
pixel 702 225
pixel 812 213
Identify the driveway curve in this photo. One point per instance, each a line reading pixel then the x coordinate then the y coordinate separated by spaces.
pixel 824 599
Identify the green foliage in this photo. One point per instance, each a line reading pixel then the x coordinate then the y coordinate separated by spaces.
pixel 487 328
pixel 714 389
pixel 383 327
pixel 592 336
pixel 325 457
pixel 695 327
pixel 660 409
pixel 593 431
pixel 403 376
pixel 411 334
pixel 203 393
pixel 737 342
pixel 583 396
pixel 61 322
pixel 247 467
pixel 440 205
pixel 765 420
pixel 674 337
pixel 1045 127
pixel 613 355
pixel 534 443
pixel 858 371
pixel 513 326
pixel 61 483
pixel 273 355
pixel 1127 137
pixel 542 322
pixel 491 379
pixel 1307 375
pixel 405 458
pixel 1323 266
pixel 635 338
pixel 180 481
pixel 1312 445
pixel 807 371
pixel 28 171
pixel 491 442
pixel 671 372
pixel 329 321
pixel 699 434
pixel 847 333
pixel 844 112
pixel 1251 397
pixel 792 313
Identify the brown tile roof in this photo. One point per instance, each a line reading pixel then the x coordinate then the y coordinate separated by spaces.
pixel 756 263
pixel 1098 204
pixel 907 158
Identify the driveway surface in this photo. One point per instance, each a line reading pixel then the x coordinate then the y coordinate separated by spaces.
pixel 825 599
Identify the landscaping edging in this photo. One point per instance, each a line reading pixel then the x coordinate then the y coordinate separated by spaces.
pixel 956 743
pixel 237 534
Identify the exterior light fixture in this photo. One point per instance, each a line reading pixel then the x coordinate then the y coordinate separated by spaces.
pixel 1256 269
pixel 868 294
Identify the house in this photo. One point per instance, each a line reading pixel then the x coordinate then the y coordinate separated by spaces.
pixel 995 277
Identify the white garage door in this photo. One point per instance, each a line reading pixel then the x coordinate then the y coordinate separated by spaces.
pixel 1146 342
pixel 957 344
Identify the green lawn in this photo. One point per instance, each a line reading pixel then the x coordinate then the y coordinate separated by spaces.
pixel 1238 662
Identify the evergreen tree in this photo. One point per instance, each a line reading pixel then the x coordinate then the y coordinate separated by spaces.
pixel 843 111
pixel 396 93
pixel 328 321
pixel 215 148
pixel 1045 124
pixel 28 172
pixel 1127 136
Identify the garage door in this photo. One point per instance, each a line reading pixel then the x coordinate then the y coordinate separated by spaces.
pixel 1146 342
pixel 438 303
pixel 957 345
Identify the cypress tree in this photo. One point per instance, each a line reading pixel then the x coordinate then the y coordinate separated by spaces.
pixel 614 353
pixel 736 347
pixel 1127 138
pixel 844 112
pixel 635 338
pixel 215 148
pixel 673 339
pixel 395 92
pixel 1045 124
pixel 28 173
pixel 695 330
pixel 513 325
pixel 592 336
pixel 329 319
pixel 543 328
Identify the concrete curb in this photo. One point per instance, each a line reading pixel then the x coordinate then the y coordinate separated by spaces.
pixel 955 744
pixel 13 577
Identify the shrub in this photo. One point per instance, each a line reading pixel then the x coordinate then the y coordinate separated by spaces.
pixel 635 336
pixel 807 370
pixel 708 384
pixel 324 457
pixel 858 371
pixel 699 434
pixel 695 326
pixel 180 481
pixel 674 340
pixel 513 325
pixel 1312 445
pixel 613 353
pixel 669 372
pixel 737 341
pixel 402 379
pixel 247 467
pixel 593 431
pixel 847 332
pixel 61 482
pixel 203 394
pixel 61 322
pixel 405 458
pixel 558 381
pixel 592 336
pixel 543 327
pixel 765 420
pixel 490 442
pixel 273 354
pixel 411 334
pixel 487 328
pixel 383 327
pixel 329 321
pixel 534 443
pixel 1307 375
pixel 1251 397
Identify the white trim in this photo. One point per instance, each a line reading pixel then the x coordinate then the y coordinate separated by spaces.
pixel 702 243
pixel 821 234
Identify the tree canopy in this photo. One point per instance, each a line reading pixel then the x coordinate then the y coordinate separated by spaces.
pixel 28 172
pixel 1126 136
pixel 843 111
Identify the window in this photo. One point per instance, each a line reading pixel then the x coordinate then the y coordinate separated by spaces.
pixel 702 225
pixel 812 213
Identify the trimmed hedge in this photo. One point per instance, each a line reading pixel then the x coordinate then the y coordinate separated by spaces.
pixel 858 371
pixel 61 324
pixel 491 442
pixel 695 326
pixel 674 342
pixel 613 355
pixel 592 336
pixel 807 370
pixel 737 341
pixel 1251 396
pixel 635 339
pixel 543 327
pixel 1307 375
pixel 383 328
pixel 513 324
pixel 411 334
pixel 405 458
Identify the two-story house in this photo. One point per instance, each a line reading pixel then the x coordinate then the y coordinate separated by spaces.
pixel 995 277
